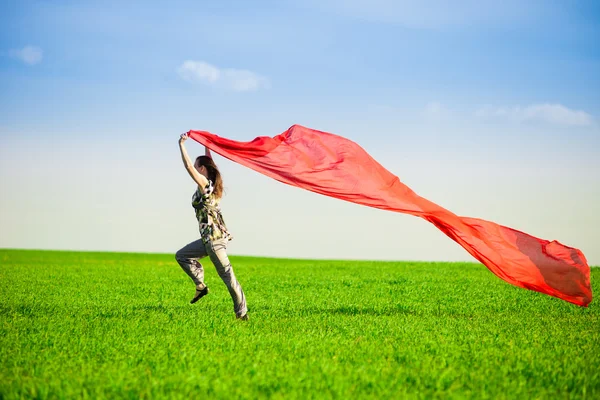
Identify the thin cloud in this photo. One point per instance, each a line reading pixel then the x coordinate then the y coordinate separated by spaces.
pixel 436 110
pixel 30 55
pixel 556 114
pixel 239 80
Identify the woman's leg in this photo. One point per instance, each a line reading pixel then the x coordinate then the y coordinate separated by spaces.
pixel 188 256
pixel 217 251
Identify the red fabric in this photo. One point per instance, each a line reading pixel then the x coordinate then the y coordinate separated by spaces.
pixel 334 166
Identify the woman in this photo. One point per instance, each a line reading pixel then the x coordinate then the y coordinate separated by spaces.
pixel 213 232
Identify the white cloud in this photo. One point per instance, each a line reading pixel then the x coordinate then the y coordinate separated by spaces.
pixel 549 113
pixel 199 71
pixel 30 55
pixel 239 80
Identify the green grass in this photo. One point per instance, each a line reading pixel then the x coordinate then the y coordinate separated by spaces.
pixel 108 325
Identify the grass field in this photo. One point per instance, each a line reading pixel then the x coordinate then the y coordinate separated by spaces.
pixel 113 325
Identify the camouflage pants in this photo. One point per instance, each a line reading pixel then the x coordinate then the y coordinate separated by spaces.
pixel 188 258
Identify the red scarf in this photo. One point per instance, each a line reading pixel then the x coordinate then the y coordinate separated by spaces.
pixel 337 167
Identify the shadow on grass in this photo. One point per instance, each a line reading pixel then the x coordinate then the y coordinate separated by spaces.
pixel 357 310
pixel 394 311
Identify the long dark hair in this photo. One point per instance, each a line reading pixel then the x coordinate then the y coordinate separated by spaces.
pixel 213 174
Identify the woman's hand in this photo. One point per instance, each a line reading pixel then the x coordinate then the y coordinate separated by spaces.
pixel 183 138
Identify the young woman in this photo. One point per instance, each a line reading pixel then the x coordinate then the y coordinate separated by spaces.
pixel 213 232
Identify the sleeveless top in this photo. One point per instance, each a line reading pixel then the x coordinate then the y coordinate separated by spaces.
pixel 208 213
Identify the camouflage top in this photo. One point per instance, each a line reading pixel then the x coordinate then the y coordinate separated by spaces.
pixel 208 213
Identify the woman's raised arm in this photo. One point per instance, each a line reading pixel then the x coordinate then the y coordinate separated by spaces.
pixel 200 179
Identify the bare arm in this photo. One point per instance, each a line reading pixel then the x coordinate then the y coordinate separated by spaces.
pixel 200 179
pixel 207 152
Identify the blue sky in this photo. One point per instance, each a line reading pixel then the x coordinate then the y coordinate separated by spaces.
pixel 488 108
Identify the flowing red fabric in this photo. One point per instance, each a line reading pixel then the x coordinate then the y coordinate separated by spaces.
pixel 337 167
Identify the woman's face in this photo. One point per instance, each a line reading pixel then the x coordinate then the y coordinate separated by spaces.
pixel 200 168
